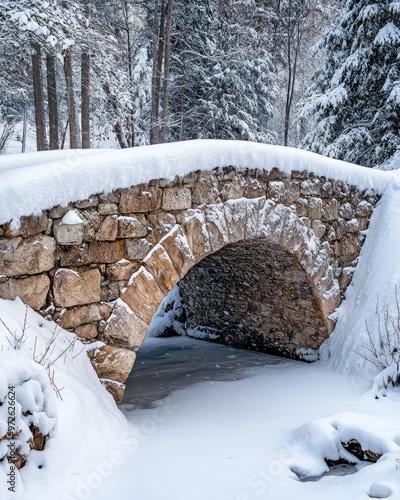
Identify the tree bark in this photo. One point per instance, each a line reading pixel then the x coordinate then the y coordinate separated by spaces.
pixel 41 139
pixel 166 72
pixel 158 56
pixel 73 141
pixel 24 127
pixel 85 96
pixel 52 101
pixel 119 133
pixel 153 77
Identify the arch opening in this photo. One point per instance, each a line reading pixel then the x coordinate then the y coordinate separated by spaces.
pixel 254 295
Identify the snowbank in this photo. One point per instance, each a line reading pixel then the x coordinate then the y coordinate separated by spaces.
pixel 374 283
pixel 33 182
pixel 89 436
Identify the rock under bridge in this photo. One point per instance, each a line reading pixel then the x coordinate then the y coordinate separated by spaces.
pixel 263 257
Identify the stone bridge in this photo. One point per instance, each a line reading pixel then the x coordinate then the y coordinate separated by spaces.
pixel 262 259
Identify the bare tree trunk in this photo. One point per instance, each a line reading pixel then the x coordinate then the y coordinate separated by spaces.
pixel 64 136
pixel 85 96
pixel 153 78
pixel 158 55
pixel 52 101
pixel 41 140
pixel 73 141
pixel 119 133
pixel 8 129
pixel 131 126
pixel 24 126
pixel 166 72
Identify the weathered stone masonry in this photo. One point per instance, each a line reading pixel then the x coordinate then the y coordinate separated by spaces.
pixel 105 275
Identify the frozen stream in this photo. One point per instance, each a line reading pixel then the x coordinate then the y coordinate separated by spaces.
pixel 217 423
pixel 165 365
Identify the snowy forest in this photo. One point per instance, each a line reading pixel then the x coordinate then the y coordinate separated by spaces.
pixel 323 75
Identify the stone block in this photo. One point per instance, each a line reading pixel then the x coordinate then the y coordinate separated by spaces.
pixel 161 268
pixel 364 209
pixel 116 389
pixel 109 291
pixel 254 188
pixel 177 198
pixel 235 213
pixel 351 226
pixel 92 201
pixel 32 255
pixel 113 363
pixel 161 223
pixel 32 290
pixel 346 277
pixel 108 229
pixel 326 190
pixel 189 179
pixel 339 225
pixel 108 209
pixel 59 212
pixel 87 332
pixel 71 288
pixel 310 187
pixel 302 207
pixel 74 256
pixel 106 252
pixel 28 226
pixel 234 189
pixel 122 270
pixel 130 227
pixel 315 208
pixel 330 234
pixel 125 327
pixel 68 234
pixel 92 220
pixel 143 295
pixel 253 208
pixel 205 191
pixel 346 211
pixel 216 226
pixel 330 210
pixel 362 223
pixel 276 191
pixel 177 247
pixel 348 246
pixel 141 198
pixel 80 315
pixel 137 249
pixel 195 229
pixel 319 228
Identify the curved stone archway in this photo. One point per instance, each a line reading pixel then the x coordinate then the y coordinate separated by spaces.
pixel 204 233
pixel 105 275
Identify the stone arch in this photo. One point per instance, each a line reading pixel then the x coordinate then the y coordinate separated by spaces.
pixel 80 274
pixel 203 232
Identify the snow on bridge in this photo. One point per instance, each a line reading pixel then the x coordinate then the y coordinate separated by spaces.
pixel 97 239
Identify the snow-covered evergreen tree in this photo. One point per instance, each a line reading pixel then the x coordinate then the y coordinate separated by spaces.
pixel 355 97
pixel 223 77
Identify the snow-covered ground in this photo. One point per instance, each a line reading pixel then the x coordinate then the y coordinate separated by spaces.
pixel 218 423
pixel 241 439
pixel 89 435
